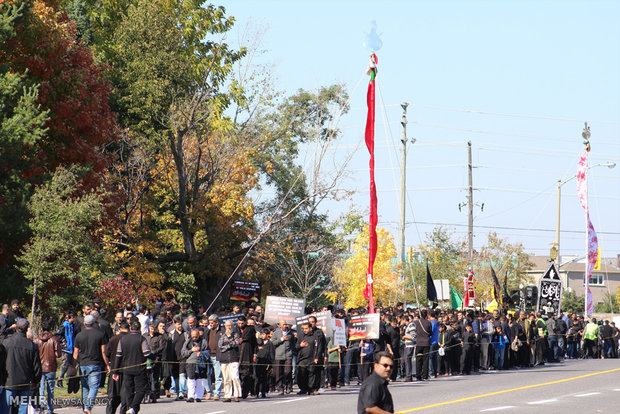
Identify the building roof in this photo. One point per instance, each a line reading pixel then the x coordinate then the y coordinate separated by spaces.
pixel 541 263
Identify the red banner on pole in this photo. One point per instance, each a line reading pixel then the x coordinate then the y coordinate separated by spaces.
pixel 370 143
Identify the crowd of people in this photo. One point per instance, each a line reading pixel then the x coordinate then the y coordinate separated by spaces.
pixel 146 354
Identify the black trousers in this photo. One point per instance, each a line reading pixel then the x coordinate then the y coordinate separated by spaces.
pixel 421 362
pixel 467 353
pixel 303 377
pixel 316 374
pixel 283 370
pixel 114 395
pixel 134 388
pixel 246 375
pixel 332 371
pixel 443 363
pixel 153 381
pixel 541 350
pixel 262 370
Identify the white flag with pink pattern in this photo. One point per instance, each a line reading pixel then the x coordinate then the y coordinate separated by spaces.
pixel 592 240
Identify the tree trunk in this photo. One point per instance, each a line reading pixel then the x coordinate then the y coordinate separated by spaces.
pixel 177 153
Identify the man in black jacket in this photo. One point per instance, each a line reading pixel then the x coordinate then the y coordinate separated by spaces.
pixel 247 354
pixel 114 387
pixel 318 362
pixel 3 406
pixel 423 344
pixel 305 357
pixel 131 355
pixel 23 366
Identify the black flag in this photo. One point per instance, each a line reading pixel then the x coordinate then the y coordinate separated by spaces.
pixel 496 288
pixel 431 292
pixel 507 299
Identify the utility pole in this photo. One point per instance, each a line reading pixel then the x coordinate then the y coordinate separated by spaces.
pixel 403 189
pixel 470 203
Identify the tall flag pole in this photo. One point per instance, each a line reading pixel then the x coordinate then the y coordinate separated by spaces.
pixel 370 143
pixel 591 238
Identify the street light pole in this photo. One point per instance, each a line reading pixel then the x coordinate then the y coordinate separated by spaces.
pixel 403 189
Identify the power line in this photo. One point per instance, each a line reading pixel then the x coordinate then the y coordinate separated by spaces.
pixel 502 227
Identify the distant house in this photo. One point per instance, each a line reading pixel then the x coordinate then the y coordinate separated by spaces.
pixel 572 271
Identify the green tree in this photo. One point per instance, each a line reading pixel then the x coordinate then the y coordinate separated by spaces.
pixel 508 260
pixel 445 260
pixel 63 259
pixel 571 303
pixel 608 305
pixel 301 247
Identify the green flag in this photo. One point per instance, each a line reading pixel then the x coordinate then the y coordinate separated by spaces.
pixel 455 298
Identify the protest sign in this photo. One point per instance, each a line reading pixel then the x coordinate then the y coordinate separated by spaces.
pixel 323 321
pixel 232 316
pixel 340 332
pixel 278 308
pixel 245 291
pixel 364 327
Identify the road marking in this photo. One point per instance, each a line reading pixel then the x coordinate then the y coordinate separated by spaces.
pixel 505 407
pixel 217 412
pixel 543 401
pixel 617 389
pixel 586 395
pixel 291 400
pixel 526 387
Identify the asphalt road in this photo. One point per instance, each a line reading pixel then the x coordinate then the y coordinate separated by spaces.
pixel 574 386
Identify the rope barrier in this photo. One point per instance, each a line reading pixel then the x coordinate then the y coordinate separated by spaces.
pixel 245 363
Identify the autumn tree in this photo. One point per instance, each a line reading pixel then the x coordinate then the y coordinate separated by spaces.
pixel 350 275
pixel 59 80
pixel 22 127
pixel 508 260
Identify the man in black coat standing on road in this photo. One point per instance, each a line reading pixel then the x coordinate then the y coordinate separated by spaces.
pixel 305 358
pixel 23 366
pixel 247 354
pixel 131 355
pixel 423 345
pixel 318 362
pixel 114 387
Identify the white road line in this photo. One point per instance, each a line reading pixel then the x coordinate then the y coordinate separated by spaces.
pixel 542 401
pixel 587 394
pixel 216 412
pixel 291 400
pixel 617 389
pixel 505 407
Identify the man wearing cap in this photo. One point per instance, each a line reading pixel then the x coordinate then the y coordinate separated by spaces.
pixel 23 367
pixel 89 351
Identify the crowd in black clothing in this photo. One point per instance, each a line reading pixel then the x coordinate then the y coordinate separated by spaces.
pixel 146 354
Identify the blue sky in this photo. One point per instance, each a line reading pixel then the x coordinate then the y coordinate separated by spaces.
pixel 516 78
